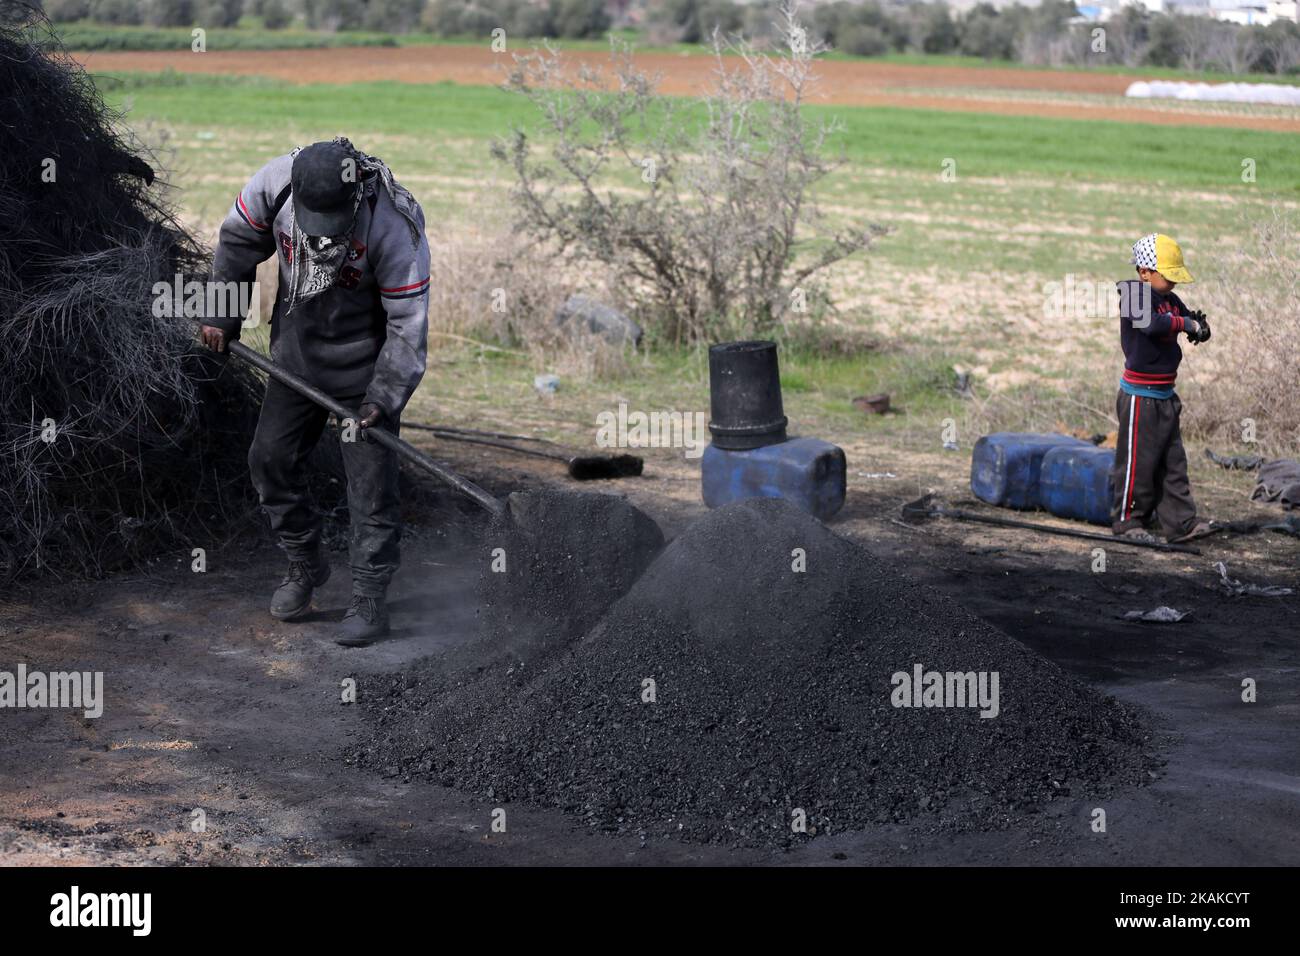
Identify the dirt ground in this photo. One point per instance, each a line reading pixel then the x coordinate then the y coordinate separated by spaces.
pixel 842 82
pixel 212 705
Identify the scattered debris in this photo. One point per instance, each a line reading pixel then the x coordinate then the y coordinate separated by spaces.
pixel 1287 525
pixel 1160 615
pixel 1100 439
pixel 546 384
pixel 1279 481
pixel 1237 588
pixel 876 404
pixel 1235 462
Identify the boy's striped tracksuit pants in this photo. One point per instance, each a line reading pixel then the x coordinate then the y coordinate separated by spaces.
pixel 1149 481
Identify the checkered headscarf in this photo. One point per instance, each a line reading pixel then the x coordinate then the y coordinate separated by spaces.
pixel 314 266
pixel 1144 252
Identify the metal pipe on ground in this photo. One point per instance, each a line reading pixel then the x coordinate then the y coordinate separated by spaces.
pixel 927 507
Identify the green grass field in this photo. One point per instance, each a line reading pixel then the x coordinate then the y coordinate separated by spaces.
pixel 959 280
pixel 904 140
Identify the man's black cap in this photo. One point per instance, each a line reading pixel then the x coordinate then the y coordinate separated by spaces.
pixel 325 183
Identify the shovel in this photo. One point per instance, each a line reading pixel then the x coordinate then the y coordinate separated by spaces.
pixel 493 506
pixel 581 467
pixel 567 555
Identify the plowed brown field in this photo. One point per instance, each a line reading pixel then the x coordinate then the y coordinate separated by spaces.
pixel 850 83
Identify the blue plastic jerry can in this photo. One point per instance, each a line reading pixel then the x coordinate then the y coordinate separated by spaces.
pixel 1004 466
pixel 1075 483
pixel 807 472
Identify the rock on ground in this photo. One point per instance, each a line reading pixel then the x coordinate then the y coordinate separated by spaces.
pixel 580 312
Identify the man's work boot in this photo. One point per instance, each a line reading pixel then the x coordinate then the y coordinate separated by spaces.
pixel 293 597
pixel 366 621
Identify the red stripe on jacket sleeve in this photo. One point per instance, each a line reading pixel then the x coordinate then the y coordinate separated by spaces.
pixel 407 288
pixel 248 216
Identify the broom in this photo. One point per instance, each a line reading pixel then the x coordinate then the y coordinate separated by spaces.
pixel 580 467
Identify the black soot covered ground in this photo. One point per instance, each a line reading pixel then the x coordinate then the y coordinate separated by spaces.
pixel 729 696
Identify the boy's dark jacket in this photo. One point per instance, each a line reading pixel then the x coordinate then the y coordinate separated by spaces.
pixel 1149 323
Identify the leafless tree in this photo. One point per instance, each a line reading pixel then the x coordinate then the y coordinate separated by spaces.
pixel 1196 37
pixel 1282 42
pixel 1233 48
pixel 1126 36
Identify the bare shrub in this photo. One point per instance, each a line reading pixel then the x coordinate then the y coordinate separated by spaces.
pixel 703 214
pixel 1249 369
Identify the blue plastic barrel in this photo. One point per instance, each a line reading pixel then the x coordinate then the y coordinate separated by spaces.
pixel 807 472
pixel 1004 466
pixel 1075 483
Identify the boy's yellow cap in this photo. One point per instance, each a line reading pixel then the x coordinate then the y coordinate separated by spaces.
pixel 1159 252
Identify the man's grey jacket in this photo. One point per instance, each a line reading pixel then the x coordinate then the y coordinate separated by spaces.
pixel 366 336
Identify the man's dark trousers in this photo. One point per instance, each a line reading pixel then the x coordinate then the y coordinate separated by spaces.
pixel 1150 472
pixel 287 431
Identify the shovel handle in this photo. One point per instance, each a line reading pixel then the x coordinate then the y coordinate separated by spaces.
pixel 385 438
pixel 476 440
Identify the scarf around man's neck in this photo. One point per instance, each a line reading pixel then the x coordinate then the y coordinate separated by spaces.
pixel 314 266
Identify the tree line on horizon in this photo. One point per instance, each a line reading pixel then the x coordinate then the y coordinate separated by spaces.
pixel 1051 34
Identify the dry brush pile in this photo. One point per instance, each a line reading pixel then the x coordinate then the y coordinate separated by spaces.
pixel 1247 382
pixel 118 436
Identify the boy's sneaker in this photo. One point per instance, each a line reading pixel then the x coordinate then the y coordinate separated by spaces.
pixel 1198 530
pixel 365 622
pixel 292 598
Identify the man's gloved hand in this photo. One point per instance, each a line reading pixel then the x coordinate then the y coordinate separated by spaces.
pixel 370 414
pixel 213 337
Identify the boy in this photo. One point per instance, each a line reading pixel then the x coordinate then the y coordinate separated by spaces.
pixel 1149 479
